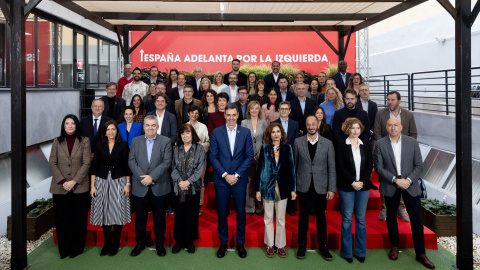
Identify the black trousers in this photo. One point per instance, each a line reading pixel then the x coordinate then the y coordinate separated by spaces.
pixel 185 229
pixel 311 197
pixel 71 218
pixel 414 210
pixel 143 205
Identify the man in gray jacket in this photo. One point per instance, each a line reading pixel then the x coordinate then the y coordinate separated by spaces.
pixel 316 182
pixel 149 160
pixel 398 163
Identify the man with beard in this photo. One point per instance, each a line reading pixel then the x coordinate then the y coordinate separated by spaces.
pixel 272 79
pixel 242 78
pixel 232 89
pixel 135 87
pixel 114 106
pixel 349 111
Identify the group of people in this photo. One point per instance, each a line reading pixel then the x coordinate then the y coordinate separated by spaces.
pixel 268 144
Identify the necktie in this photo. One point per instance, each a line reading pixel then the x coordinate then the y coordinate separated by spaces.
pixel 95 128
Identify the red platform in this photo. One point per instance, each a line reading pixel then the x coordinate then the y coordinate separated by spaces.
pixel 377 234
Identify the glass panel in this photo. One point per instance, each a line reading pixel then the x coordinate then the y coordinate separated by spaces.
pixel 435 165
pixel 80 61
pixel 37 165
pixel 450 184
pixel 65 56
pixel 2 50
pixel 92 68
pixel 30 50
pixel 46 52
pixel 104 68
pixel 114 70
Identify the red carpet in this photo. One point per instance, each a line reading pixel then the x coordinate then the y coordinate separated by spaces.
pixel 377 234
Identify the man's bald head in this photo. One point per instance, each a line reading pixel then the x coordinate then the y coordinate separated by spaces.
pixel 394 127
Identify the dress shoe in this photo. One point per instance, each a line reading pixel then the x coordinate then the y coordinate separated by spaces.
pixel 291 213
pixel 270 252
pixel 393 254
pixel 105 250
pixel 259 213
pixel 425 261
pixel 242 253
pixel 137 250
pixel 114 249
pixel 250 214
pixel 190 248
pixel 349 260
pixel 282 253
pixel 403 216
pixel 221 251
pixel 161 250
pixel 360 259
pixel 383 215
pixel 301 252
pixel 176 248
pixel 74 254
pixel 325 253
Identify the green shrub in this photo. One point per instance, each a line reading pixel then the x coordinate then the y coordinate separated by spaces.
pixel 41 205
pixel 439 208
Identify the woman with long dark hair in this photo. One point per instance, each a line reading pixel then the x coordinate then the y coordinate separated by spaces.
pixel 172 80
pixel 252 83
pixel 217 118
pixel 69 163
pixel 110 187
pixel 323 128
pixel 139 107
pixel 270 110
pixel 209 105
pixel 129 129
pixel 260 95
pixel 354 82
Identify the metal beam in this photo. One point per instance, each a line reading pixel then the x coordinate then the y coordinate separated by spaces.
pixel 448 7
pixel 141 40
pixel 341 46
pixel 348 41
pixel 5 7
pixel 30 6
pixel 388 13
pixel 474 14
pixel 233 17
pixel 325 40
pixel 85 13
pixel 207 28
pixel 126 44
pixel 255 1
pixel 19 137
pixel 122 49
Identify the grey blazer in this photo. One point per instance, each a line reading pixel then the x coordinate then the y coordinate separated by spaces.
pixel 321 168
pixel 411 165
pixel 160 162
pixel 257 138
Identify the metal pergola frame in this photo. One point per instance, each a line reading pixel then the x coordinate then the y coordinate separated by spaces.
pixel 15 12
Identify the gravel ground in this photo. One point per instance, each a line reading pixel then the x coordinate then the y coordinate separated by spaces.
pixel 448 243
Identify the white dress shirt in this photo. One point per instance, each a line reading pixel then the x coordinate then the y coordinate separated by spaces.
pixel 399 116
pixel 233 93
pixel 397 152
pixel 314 141
pixel 232 134
pixel 160 121
pixel 356 157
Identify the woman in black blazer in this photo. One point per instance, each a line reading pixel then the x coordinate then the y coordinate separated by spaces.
pixel 323 128
pixel 110 187
pixel 354 170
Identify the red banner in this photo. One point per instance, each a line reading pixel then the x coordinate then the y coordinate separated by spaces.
pixel 214 51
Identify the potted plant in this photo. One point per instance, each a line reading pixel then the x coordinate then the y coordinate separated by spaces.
pixel 40 218
pixel 439 217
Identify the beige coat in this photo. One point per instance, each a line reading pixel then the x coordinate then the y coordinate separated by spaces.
pixel 70 167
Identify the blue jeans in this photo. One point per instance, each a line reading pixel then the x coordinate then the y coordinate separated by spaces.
pixel 354 201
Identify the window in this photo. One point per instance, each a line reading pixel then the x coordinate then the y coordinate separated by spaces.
pixel 45 31
pixel 2 50
pixel 114 71
pixel 80 61
pixel 65 56
pixel 30 50
pixel 104 69
pixel 92 67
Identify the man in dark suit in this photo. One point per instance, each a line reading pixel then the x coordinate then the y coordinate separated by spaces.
pixel 242 78
pixel 231 154
pixel 195 81
pixel 301 107
pixel 150 104
pixel 114 107
pixel 349 111
pixel 149 160
pixel 283 92
pixel 92 125
pixel 316 183
pixel 242 104
pixel 341 78
pixel 167 121
pixel 182 105
pixel 370 107
pixel 153 76
pixel 292 131
pixel 398 163
pixel 176 93
pixel 271 79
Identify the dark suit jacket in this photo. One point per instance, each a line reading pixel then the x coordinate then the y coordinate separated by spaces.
pixel 179 109
pixel 135 131
pixel 174 95
pixel 296 113
pixel 150 106
pixel 87 129
pixel 386 167
pixel 340 116
pixel 290 95
pixel 293 130
pixel 372 112
pixel 119 109
pixel 193 83
pixel 148 81
pixel 115 162
pixel 242 79
pixel 408 123
pixel 346 173
pixel 269 172
pixel 169 126
pixel 339 82
pixel 157 168
pixel 224 161
pixel 240 115
pixel 270 81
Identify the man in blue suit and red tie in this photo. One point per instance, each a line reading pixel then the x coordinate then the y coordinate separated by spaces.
pixel 231 154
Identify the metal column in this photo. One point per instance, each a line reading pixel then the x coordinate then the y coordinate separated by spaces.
pixel 126 45
pixel 341 43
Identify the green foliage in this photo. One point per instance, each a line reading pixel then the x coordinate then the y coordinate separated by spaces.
pixel 331 70
pixel 41 205
pixel 439 208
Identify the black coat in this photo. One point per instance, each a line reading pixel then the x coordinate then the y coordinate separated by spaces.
pixel 87 129
pixel 115 162
pixel 241 79
pixel 293 130
pixel 372 112
pixel 341 115
pixel 290 95
pixel 119 109
pixel 296 113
